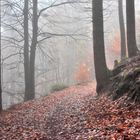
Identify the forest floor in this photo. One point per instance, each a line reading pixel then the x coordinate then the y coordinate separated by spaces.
pixel 75 113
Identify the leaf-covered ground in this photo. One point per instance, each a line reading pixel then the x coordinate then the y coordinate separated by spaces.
pixel 72 114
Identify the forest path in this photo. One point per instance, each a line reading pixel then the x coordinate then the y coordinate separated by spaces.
pixel 72 114
pixel 80 115
pixel 53 117
pixel 67 120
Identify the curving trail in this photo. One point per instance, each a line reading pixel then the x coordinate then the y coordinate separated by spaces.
pixel 52 117
pixel 67 120
pixel 72 114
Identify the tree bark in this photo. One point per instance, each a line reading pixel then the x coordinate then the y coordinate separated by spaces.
pixel 0 64
pixel 33 48
pixel 122 30
pixel 131 33
pixel 26 52
pixel 101 70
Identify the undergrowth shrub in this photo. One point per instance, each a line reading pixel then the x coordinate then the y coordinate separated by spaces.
pixel 58 87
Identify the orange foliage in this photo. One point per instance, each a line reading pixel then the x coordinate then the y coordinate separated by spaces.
pixel 83 73
pixel 115 49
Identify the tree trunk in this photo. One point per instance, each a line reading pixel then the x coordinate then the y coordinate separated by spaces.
pixel 131 33
pixel 33 48
pixel 122 30
pixel 26 52
pixel 101 70
pixel 0 64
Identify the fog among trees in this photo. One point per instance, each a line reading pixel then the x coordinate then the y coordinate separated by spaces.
pixel 57 35
pixel 69 69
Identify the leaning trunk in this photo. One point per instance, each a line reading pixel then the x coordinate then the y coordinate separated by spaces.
pixel 122 30
pixel 98 43
pixel 131 33
pixel 33 48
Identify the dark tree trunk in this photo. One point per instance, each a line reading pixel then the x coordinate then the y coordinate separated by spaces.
pixel 26 53
pixel 131 33
pixel 101 70
pixel 0 64
pixel 122 30
pixel 33 48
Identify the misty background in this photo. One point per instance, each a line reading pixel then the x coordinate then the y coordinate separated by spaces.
pixel 64 53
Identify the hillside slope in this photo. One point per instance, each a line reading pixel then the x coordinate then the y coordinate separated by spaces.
pixel 77 113
pixel 35 119
pixel 126 80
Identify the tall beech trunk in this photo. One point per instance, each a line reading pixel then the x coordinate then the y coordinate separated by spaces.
pixel 122 30
pixel 131 33
pixel 33 48
pixel 0 64
pixel 26 52
pixel 101 70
